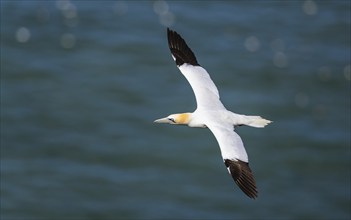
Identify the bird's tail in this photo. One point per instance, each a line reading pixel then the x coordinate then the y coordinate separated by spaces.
pixel 256 121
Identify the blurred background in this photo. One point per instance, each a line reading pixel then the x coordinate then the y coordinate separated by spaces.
pixel 83 81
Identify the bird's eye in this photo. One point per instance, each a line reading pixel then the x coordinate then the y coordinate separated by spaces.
pixel 171 119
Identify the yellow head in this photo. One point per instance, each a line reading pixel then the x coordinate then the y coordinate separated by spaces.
pixel 175 119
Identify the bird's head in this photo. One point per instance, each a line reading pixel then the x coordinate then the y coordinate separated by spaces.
pixel 175 119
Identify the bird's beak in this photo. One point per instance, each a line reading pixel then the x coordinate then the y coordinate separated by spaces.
pixel 162 120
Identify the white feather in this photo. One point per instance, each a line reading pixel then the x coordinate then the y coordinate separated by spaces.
pixel 229 141
pixel 211 112
pixel 206 92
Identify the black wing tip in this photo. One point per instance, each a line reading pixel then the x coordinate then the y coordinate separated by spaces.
pixel 243 177
pixel 180 50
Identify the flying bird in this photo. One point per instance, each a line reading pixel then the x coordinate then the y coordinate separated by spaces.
pixel 211 113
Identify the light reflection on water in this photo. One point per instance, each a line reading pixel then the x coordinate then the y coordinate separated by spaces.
pixel 81 84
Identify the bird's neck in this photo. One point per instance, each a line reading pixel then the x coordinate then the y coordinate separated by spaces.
pixel 183 118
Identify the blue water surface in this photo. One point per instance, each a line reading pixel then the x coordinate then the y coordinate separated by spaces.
pixel 83 81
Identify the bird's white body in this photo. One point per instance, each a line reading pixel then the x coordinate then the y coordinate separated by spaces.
pixel 212 114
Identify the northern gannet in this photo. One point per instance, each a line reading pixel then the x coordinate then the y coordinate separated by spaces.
pixel 211 113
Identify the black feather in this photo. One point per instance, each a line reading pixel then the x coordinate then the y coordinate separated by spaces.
pixel 243 177
pixel 180 49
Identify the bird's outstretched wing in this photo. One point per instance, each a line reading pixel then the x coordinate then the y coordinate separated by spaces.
pixel 207 97
pixel 234 157
pixel 205 90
